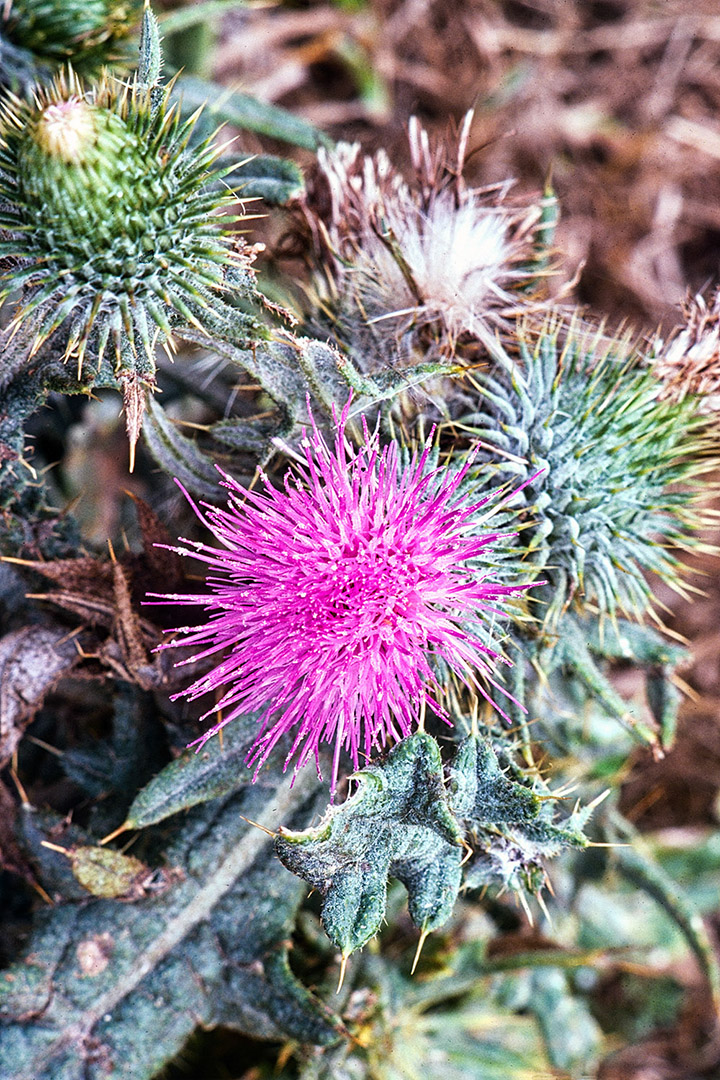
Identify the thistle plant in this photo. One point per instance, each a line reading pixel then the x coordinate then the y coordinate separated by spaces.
pixel 431 612
pixel 688 360
pixel 619 494
pixel 619 469
pixel 420 266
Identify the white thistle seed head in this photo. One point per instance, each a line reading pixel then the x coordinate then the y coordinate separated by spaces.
pixel 407 267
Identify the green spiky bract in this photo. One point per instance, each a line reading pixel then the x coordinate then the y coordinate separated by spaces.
pixel 620 467
pixel 38 36
pixel 406 822
pixel 113 228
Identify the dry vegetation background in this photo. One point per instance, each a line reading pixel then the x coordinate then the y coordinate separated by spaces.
pixel 619 102
pixel 618 99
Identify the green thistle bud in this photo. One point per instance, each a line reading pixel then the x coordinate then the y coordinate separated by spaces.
pixel 39 36
pixel 111 224
pixel 620 466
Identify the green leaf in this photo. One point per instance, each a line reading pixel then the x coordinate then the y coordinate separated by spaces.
pixel 571 1035
pixel 291 369
pixel 246 112
pixel 265 176
pixel 434 1028
pixel 250 436
pixel 398 823
pixel 150 51
pixel 580 650
pixel 122 986
pixel 636 864
pixel 509 814
pixel 108 873
pixel 196 777
pixel 403 822
pixel 176 454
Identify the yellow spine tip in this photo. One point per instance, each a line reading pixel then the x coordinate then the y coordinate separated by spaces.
pixel 343 969
pixel 419 949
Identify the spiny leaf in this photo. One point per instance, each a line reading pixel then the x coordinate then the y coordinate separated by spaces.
pixel 581 650
pixel 219 768
pixel 403 822
pixel 121 986
pixel 399 822
pixel 291 370
pixel 510 817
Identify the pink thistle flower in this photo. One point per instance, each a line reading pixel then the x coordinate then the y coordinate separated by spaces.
pixel 330 599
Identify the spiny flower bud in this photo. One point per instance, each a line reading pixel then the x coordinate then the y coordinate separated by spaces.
pixel 66 131
pixel 111 225
pixel 39 36
pixel 620 467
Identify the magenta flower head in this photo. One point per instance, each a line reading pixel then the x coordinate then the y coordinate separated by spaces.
pixel 331 601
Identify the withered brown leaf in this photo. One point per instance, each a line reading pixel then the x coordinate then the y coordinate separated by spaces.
pixel 106 594
pixel 32 660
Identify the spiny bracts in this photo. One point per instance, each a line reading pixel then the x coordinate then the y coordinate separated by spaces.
pixel 619 469
pixel 111 223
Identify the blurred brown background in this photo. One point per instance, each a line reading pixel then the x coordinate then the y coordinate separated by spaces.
pixel 618 99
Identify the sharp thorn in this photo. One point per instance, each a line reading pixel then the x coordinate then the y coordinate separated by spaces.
pixel 421 942
pixel 261 827
pixel 56 847
pixel 343 969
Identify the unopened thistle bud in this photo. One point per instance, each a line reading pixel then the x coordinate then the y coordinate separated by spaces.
pixel 619 470
pixel 111 225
